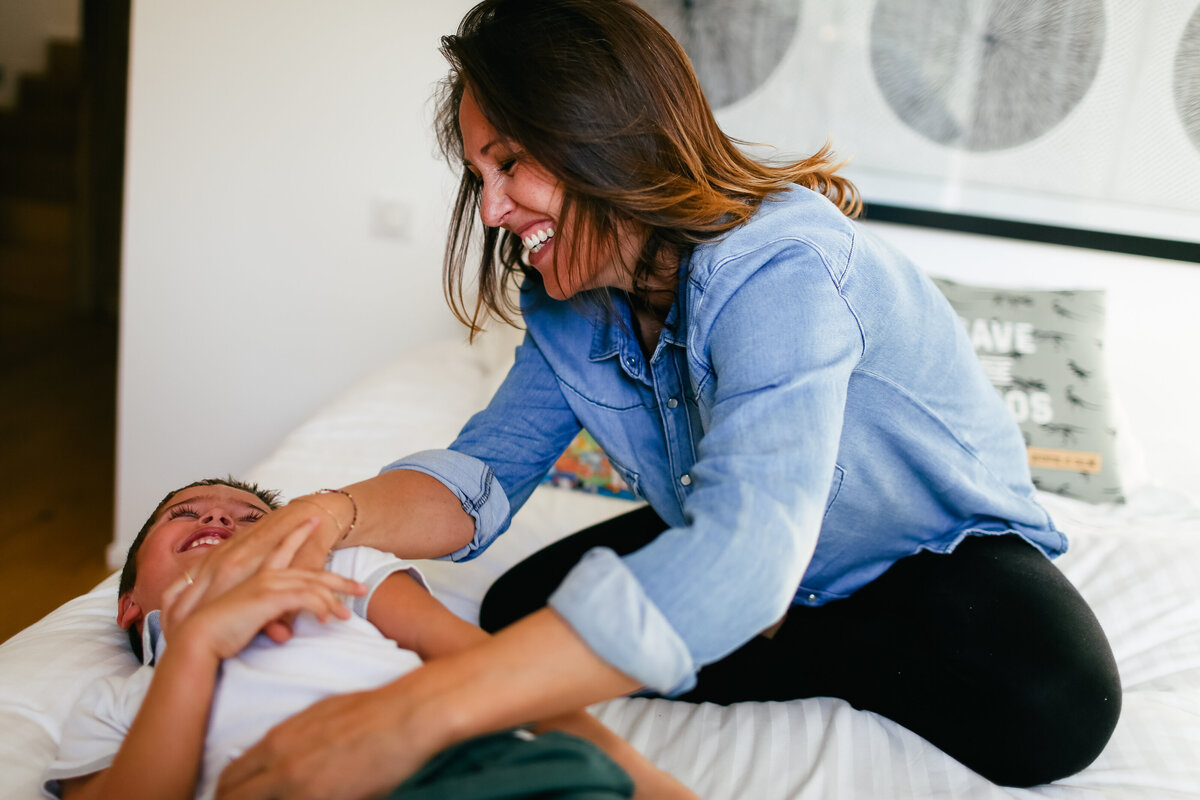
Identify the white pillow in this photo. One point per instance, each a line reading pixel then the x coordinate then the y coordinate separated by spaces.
pixel 43 669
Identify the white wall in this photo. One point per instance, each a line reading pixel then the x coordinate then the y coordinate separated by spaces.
pixel 25 28
pixel 262 135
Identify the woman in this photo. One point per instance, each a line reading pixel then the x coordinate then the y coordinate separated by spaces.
pixel 839 502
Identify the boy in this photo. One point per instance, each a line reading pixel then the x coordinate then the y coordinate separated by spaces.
pixel 170 728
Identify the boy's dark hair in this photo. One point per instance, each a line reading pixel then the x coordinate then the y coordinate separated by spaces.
pixel 129 571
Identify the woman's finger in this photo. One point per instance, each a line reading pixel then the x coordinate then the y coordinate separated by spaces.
pixel 285 551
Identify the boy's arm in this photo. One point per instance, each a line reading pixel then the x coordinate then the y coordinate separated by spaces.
pixel 404 611
pixel 175 711
pixel 161 755
pixel 408 614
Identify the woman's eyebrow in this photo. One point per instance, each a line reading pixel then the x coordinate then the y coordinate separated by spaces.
pixel 483 151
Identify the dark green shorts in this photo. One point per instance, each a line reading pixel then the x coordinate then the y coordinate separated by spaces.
pixel 511 765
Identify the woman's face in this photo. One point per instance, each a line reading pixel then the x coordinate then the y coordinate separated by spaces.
pixel 522 197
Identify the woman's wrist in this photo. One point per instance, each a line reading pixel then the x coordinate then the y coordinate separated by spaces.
pixel 423 716
pixel 339 507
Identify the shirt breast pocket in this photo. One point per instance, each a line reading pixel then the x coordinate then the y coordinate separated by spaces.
pixel 631 478
pixel 835 487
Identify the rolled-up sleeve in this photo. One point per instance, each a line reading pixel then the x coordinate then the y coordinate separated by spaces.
pixel 504 451
pixel 474 484
pixel 631 634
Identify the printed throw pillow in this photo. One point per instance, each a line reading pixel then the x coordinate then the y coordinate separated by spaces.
pixel 1044 352
pixel 584 466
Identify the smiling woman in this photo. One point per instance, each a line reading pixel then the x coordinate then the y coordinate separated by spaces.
pixel 610 150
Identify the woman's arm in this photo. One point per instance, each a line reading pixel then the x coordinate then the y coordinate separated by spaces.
pixel 401 511
pixel 358 745
pixel 409 615
pixel 491 468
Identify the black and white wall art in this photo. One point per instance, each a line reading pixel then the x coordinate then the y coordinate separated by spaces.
pixel 1187 78
pixel 985 76
pixel 734 44
pixel 1083 114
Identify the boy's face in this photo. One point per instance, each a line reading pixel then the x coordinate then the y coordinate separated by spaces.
pixel 191 523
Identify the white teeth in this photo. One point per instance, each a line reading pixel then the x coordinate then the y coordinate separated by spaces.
pixel 534 241
pixel 205 541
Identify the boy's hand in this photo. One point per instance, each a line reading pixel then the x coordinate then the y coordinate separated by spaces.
pixel 227 623
pixel 227 620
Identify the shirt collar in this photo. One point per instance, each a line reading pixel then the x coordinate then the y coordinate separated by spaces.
pixel 613 331
pixel 152 637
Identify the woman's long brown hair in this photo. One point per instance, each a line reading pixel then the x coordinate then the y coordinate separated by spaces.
pixel 601 96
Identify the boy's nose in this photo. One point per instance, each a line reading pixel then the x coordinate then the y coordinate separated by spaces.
pixel 218 516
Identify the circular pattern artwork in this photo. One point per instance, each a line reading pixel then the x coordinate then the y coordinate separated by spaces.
pixel 985 74
pixel 734 45
pixel 1187 78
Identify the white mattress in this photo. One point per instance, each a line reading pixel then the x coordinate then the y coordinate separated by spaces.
pixel 1138 565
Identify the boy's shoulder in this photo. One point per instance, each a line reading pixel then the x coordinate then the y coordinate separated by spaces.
pixel 97 725
pixel 371 567
pixel 362 562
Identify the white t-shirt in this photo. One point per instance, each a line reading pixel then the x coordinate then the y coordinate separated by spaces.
pixel 257 689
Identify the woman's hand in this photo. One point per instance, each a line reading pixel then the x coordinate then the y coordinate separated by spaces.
pixel 364 745
pixel 299 535
pixel 356 745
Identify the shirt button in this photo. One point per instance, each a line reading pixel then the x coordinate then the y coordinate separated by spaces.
pixel 630 361
pixel 812 598
pixel 672 403
pixel 686 479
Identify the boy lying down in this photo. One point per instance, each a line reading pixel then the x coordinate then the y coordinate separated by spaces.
pixel 170 728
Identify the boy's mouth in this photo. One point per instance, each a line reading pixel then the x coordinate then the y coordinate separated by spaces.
pixel 205 537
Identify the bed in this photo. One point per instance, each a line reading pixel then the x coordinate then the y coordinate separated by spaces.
pixel 1137 562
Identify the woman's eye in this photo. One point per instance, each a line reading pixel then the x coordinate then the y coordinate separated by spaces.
pixel 508 165
pixel 183 511
pixel 252 517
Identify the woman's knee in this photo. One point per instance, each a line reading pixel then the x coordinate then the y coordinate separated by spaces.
pixel 1055 726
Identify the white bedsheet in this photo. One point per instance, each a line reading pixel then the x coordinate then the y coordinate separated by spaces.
pixel 1138 565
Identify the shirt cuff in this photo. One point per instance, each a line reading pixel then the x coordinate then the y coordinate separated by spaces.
pixel 474 484
pixel 604 602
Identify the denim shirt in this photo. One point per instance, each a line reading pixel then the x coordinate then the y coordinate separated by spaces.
pixel 812 412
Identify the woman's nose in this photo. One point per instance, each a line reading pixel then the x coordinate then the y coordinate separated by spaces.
pixel 217 516
pixel 494 204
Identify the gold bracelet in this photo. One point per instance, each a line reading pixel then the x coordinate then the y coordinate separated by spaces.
pixel 353 507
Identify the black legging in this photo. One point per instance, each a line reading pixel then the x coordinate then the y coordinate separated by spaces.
pixel 988 652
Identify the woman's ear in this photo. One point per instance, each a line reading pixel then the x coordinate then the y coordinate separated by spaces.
pixel 129 612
